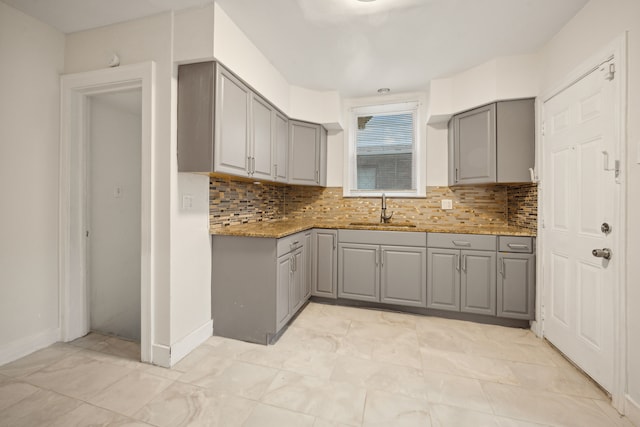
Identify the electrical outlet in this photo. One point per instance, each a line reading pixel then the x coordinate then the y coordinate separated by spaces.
pixel 447 204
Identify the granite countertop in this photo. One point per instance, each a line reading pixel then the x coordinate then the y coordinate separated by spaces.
pixel 285 227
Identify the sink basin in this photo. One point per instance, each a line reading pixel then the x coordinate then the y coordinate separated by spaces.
pixel 381 224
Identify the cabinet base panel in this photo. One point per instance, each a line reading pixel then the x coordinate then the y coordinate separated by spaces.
pixel 470 317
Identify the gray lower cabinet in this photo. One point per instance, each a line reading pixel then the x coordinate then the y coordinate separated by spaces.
pixel 516 266
pixel 461 279
pixel 257 284
pixel 382 266
pixel 324 279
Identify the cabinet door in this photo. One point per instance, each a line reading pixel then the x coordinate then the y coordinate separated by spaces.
pixel 283 297
pixel 478 282
pixel 281 148
pixel 325 267
pixel 304 147
pixel 262 135
pixel 358 273
pixel 403 276
pixel 443 279
pixel 231 124
pixel 474 136
pixel 516 285
pixel 195 117
pixel 297 285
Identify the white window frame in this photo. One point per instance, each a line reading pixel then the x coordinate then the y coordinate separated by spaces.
pixel 350 188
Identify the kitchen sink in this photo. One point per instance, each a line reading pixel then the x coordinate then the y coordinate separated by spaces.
pixel 382 224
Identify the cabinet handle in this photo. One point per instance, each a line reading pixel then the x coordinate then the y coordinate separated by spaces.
pixel 502 267
pixel 317 175
pixel 458 262
pixel 461 243
pixel 377 255
pixel 291 264
pixel 457 175
pixel 382 255
pixel 464 262
pixel 275 171
pixel 253 165
pixel 517 246
pixel 333 236
pixel 248 165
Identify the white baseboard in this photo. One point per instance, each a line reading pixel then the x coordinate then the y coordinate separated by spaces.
pixel 27 345
pixel 632 410
pixel 161 355
pixel 190 342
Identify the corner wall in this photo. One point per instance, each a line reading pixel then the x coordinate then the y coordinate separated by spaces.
pixel 596 25
pixel 32 57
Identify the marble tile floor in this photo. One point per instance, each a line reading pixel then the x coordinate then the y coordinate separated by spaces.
pixel 334 366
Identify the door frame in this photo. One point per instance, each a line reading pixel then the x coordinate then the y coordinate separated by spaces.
pixel 74 296
pixel 618 50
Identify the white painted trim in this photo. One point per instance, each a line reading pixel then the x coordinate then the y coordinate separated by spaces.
pixel 161 355
pixel 187 344
pixel 75 88
pixel 632 410
pixel 618 49
pixel 26 345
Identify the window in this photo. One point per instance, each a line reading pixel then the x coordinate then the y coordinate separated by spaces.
pixel 383 150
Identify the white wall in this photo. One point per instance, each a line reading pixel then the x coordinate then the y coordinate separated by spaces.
pixel 232 47
pixel 179 286
pixel 114 216
pixel 193 34
pixel 599 23
pixel 32 57
pixel 501 78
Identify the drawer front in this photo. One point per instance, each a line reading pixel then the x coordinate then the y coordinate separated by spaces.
pixel 518 244
pixel 290 243
pixel 461 241
pixel 375 237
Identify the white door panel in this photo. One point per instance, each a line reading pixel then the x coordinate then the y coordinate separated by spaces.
pixel 579 194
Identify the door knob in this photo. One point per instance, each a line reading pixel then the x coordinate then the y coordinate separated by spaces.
pixel 602 253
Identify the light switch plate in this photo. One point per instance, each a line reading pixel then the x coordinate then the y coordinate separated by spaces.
pixel 187 201
pixel 447 204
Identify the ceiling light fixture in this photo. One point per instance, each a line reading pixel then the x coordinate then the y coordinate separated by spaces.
pixel 383 90
pixel 366 1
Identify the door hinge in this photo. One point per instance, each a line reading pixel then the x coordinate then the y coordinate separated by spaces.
pixel 543 123
pixel 87 233
pixel 610 75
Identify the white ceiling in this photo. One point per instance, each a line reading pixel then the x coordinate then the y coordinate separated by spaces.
pixel 351 46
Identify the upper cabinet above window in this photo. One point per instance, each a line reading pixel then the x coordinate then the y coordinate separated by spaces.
pixel 494 143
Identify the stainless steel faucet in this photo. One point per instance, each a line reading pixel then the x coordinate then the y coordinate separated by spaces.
pixel 384 218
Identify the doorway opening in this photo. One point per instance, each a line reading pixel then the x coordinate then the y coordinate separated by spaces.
pixel 106 251
pixel 113 212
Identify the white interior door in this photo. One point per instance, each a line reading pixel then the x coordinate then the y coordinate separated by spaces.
pixel 579 194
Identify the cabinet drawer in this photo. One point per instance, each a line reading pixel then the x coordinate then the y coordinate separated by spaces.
pixel 461 241
pixel 375 237
pixel 289 243
pixel 515 244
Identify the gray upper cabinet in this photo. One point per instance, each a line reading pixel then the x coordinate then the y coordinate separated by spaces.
pixel 225 127
pixel 262 137
pixel 325 266
pixel 195 117
pixel 474 139
pixel 281 148
pixel 232 154
pixel 307 151
pixel 494 143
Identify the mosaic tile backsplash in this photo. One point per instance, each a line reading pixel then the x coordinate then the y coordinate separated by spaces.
pixel 236 202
